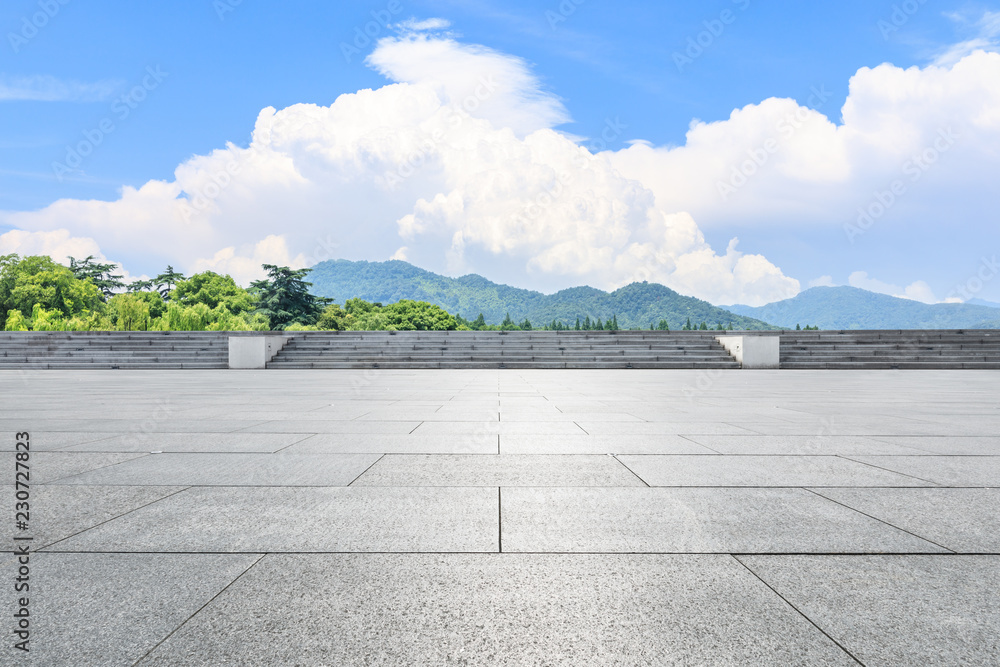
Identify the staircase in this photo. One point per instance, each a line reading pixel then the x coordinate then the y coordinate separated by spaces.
pixel 113 349
pixel 921 349
pixel 496 349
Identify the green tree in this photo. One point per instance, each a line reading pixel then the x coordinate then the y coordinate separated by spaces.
pixel 687 327
pixel 334 318
pixel 213 289
pixel 40 280
pixel 129 312
pixel 166 281
pixel 283 297
pixel 703 326
pixel 101 274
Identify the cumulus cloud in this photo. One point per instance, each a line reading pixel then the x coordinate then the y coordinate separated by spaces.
pixel 244 264
pixel 458 163
pixel 917 291
pixel 492 85
pixel 60 245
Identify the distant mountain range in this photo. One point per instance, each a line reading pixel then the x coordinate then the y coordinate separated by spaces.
pixel 636 305
pixel 853 308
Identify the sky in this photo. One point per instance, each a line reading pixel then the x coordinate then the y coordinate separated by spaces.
pixel 739 151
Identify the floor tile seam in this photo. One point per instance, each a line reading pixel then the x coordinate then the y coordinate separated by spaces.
pixel 119 516
pixel 64 448
pixel 798 611
pixel 54 482
pixel 883 521
pixel 847 457
pixel 306 437
pixel 624 465
pixel 698 444
pixel 366 470
pixel 197 611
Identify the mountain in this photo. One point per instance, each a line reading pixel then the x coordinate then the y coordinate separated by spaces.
pixel 853 308
pixel 635 305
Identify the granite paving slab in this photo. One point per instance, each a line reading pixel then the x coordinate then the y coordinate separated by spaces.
pixel 950 445
pixel 896 610
pixel 333 519
pixel 231 470
pixel 105 610
pixel 334 443
pixel 943 470
pixel 48 466
pixel 719 471
pixel 485 426
pixel 600 444
pixel 332 426
pixel 400 470
pixel 60 511
pixel 963 520
pixel 661 428
pixel 641 520
pixel 193 442
pixel 46 441
pixel 498 609
pixel 792 445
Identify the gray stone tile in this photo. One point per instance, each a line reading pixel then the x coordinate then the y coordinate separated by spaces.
pixel 270 519
pixel 483 427
pixel 334 443
pixel 692 521
pixel 943 470
pixel 497 609
pixel 951 445
pixel 502 470
pixel 60 511
pixel 661 428
pixel 231 470
pixel 193 442
pixel 719 470
pixel 599 444
pixel 111 609
pixel 46 441
pixel 792 445
pixel 332 426
pixel 963 520
pixel 47 467
pixel 896 610
pixel 154 425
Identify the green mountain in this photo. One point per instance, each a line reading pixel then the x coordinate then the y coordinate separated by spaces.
pixel 635 305
pixel 853 308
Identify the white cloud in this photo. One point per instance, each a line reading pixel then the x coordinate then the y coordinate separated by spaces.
pixel 416 170
pixel 917 291
pixel 486 83
pixel 244 264
pixel 60 245
pixel 43 88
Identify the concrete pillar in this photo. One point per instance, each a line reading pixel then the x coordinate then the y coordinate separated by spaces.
pixel 254 351
pixel 753 351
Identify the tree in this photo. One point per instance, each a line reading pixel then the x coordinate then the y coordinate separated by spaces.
pixel 40 280
pixel 799 328
pixel 703 326
pixel 577 322
pixel 525 325
pixel 478 323
pixel 283 297
pixel 334 318
pixel 166 281
pixel 687 327
pixel 663 325
pixel 100 274
pixel 213 290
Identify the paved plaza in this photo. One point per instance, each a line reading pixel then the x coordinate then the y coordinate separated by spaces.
pixel 505 517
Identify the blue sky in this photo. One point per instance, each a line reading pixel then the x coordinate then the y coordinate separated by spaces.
pixel 149 87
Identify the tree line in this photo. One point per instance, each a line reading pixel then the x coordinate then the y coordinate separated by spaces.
pixel 39 294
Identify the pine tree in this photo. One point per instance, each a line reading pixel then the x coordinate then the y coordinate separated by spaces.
pixel 284 298
pixel 99 274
